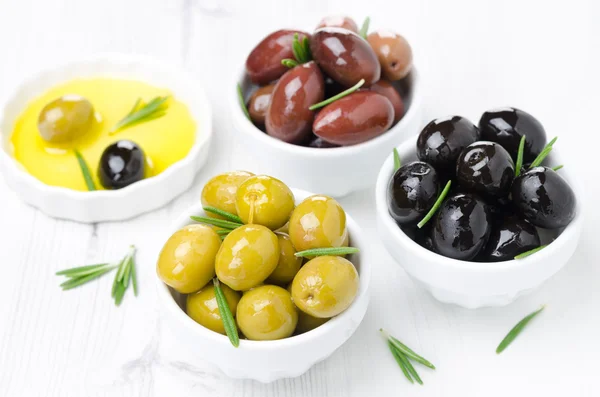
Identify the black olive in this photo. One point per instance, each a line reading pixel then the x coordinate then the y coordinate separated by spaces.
pixel 506 126
pixel 121 164
pixel 442 140
pixel 412 191
pixel 509 238
pixel 420 236
pixel 544 198
pixel 461 227
pixel 485 167
pixel 500 207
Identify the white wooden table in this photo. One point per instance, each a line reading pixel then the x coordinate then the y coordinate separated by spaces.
pixel 473 55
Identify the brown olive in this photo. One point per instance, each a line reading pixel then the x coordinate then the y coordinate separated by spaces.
pixel 338 21
pixel 345 56
pixel 386 89
pixel 259 103
pixel 394 54
pixel 264 62
pixel 288 117
pixel 355 118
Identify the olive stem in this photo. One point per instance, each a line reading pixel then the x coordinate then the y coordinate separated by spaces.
pixel 289 63
pixel 85 170
pixel 397 163
pixel 516 330
pixel 338 96
pixel 365 28
pixel 530 252
pixel 544 153
pixel 242 102
pixel 519 163
pixel 558 167
pixel 436 205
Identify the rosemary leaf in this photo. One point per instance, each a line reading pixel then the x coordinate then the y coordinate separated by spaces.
pixel 519 163
pixel 530 252
pixel 436 205
pixel 77 281
pixel 337 251
pixel 545 152
pixel 396 160
pixel 119 294
pixel 289 63
pixel 127 273
pixel 134 278
pixel 80 270
pixel 400 362
pixel 216 222
pixel 364 30
pixel 406 350
pixel 142 112
pixel 558 167
pixel 306 45
pixel 298 50
pixel 224 214
pixel 411 370
pixel 85 170
pixel 242 101
pixel 338 96
pixel 223 232
pixel 516 330
pixel 226 315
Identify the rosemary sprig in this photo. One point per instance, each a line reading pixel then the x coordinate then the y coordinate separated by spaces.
pixel 338 96
pixel 216 222
pixel 365 28
pixel 336 251
pixel 301 50
pixel 396 160
pixel 516 330
pixel 142 112
pixel 125 274
pixel 226 315
pixel 530 252
pixel 558 167
pixel 519 163
pixel 229 216
pixel 242 101
pixel 543 154
pixel 403 354
pixel 85 170
pixel 406 350
pixel 80 275
pixel 289 63
pixel 401 363
pixel 436 205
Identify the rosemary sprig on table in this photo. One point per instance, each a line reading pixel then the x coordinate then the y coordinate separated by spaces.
pixel 142 112
pixel 85 171
pixel 436 205
pixel 80 275
pixel 336 251
pixel 226 315
pixel 403 355
pixel 125 274
pixel 516 330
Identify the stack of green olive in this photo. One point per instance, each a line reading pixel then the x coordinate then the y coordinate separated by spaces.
pixel 271 293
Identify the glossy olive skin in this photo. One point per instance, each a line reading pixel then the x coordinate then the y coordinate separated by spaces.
pixel 220 191
pixel 259 104
pixel 186 262
pixel 247 256
pixel 319 143
pixel 121 164
pixel 509 238
pixel 306 322
pixel 412 191
pixel 338 21
pixel 486 168
pixel 267 313
pixel 421 236
pixel 506 126
pixel 461 227
pixel 325 286
pixel 263 65
pixel 270 200
pixel 386 89
pixel 288 264
pixel 318 222
pixel 354 119
pixel 202 306
pixel 288 117
pixel 442 140
pixel 65 119
pixel 544 198
pixel 345 56
pixel 394 54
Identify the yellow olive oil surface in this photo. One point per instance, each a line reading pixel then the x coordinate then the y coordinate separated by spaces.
pixel 164 141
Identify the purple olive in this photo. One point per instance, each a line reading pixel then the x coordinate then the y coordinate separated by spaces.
pixel 259 104
pixel 386 89
pixel 338 21
pixel 288 117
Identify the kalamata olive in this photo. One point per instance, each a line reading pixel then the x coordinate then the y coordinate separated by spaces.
pixel 544 198
pixel 461 227
pixel 442 140
pixel 509 238
pixel 506 126
pixel 355 118
pixel 345 56
pixel 320 143
pixel 485 167
pixel 338 21
pixel 121 164
pixel 259 103
pixel 288 117
pixel 412 191
pixel 394 54
pixel 332 87
pixel 386 89
pixel 263 65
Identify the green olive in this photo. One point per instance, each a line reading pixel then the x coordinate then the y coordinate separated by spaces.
pixel 325 286
pixel 264 200
pixel 318 222
pixel 288 264
pixel 202 307
pixel 247 256
pixel 220 191
pixel 306 322
pixel 66 119
pixel 187 260
pixel 267 313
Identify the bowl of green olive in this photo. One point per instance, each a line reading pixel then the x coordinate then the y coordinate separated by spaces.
pixel 262 280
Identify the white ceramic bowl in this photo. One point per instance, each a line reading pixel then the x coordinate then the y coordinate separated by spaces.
pixel 336 171
pixel 471 284
pixel 267 361
pixel 119 204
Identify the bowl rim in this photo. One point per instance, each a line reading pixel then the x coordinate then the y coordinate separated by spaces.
pixel 409 146
pixel 250 129
pixel 357 237
pixel 204 131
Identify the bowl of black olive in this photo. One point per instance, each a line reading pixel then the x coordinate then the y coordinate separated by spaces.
pixel 335 100
pixel 479 214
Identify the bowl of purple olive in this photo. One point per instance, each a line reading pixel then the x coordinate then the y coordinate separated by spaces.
pixel 479 214
pixel 335 100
